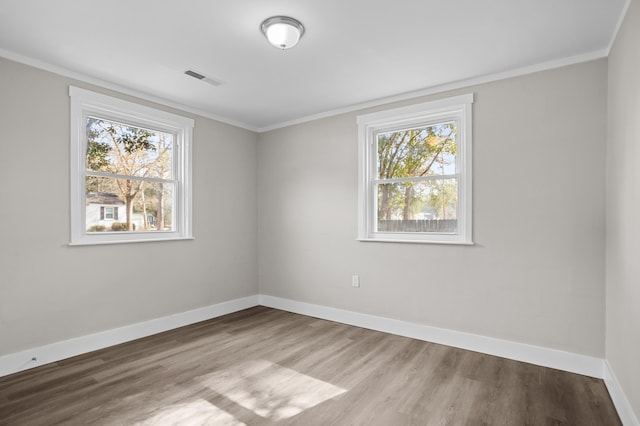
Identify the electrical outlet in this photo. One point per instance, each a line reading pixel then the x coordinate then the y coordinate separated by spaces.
pixel 355 280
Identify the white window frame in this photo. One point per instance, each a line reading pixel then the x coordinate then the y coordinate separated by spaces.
pixel 85 103
pixel 458 109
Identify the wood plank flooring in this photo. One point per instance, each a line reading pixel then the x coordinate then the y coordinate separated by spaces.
pixel 263 366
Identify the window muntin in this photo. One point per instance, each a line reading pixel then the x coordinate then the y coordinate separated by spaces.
pixel 132 158
pixel 415 173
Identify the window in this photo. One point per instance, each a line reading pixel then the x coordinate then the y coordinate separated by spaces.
pixel 130 171
pixel 108 213
pixel 415 173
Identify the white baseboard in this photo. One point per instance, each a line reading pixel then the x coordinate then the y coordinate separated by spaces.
pixel 567 361
pixel 625 411
pixel 23 360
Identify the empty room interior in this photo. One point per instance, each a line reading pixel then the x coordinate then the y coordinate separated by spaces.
pixel 284 212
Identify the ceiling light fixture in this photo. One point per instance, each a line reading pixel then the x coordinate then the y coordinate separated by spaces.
pixel 282 32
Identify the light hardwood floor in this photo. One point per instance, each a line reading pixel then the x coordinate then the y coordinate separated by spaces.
pixel 263 366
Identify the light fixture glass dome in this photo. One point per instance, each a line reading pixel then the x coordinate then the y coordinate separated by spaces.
pixel 282 32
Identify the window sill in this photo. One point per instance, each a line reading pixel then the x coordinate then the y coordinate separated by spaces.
pixel 150 240
pixel 393 240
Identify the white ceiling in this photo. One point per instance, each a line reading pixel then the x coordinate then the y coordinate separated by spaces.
pixel 353 52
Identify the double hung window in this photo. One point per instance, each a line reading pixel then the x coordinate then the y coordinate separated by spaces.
pixel 415 173
pixel 130 171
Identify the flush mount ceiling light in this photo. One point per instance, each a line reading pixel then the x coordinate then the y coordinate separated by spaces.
pixel 282 32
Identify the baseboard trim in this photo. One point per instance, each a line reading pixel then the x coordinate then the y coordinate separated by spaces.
pixel 552 358
pixel 625 411
pixel 18 361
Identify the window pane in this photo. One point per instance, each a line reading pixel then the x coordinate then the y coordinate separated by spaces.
pixel 150 206
pixel 422 151
pixel 126 150
pixel 429 206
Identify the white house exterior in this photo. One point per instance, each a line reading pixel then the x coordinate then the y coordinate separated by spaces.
pixel 105 209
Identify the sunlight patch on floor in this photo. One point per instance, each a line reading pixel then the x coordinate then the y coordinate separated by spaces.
pixel 269 390
pixel 196 413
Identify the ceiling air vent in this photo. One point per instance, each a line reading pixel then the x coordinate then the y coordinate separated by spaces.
pixel 194 74
pixel 202 77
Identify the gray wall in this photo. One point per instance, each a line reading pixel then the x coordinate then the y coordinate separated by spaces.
pixel 623 207
pixel 536 274
pixel 50 291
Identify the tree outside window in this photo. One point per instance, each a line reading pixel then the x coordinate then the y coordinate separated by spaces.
pixel 136 165
pixel 416 168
